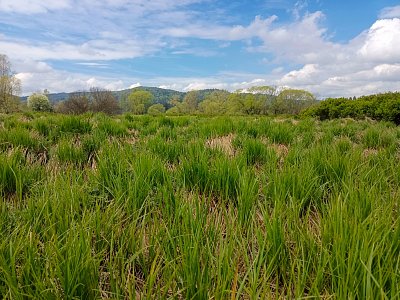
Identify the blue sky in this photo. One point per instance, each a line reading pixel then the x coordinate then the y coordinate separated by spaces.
pixel 331 48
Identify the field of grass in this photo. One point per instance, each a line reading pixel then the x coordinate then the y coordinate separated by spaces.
pixel 198 208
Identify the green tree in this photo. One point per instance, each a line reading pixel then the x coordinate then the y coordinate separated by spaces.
pixel 156 109
pixel 292 101
pixel 380 107
pixel 177 106
pixel 252 104
pixel 39 102
pixel 139 101
pixel 240 103
pixel 235 103
pixel 175 100
pixel 266 95
pixel 173 111
pixel 10 86
pixel 215 103
pixel 191 102
pixel 264 90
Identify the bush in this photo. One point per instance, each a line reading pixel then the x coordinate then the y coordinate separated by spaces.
pixel 39 102
pixel 77 103
pixel 156 109
pixel 380 107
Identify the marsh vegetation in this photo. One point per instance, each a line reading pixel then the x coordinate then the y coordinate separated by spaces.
pixel 198 207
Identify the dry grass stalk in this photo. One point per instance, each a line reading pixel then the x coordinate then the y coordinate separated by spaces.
pixel 223 143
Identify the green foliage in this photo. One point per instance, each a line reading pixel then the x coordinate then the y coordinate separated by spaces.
pixel 111 127
pixel 258 100
pixel 380 107
pixel 173 111
pixel 196 207
pixel 19 137
pixel 139 101
pixel 215 103
pixel 17 176
pixel 378 138
pixel 73 124
pixel 156 110
pixel 39 102
pixel 290 101
pixel 256 152
pixel 70 152
pixel 190 102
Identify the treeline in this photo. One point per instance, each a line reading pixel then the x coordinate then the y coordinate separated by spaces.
pixel 385 106
pixel 260 100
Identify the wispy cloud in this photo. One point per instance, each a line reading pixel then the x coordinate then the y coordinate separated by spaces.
pixel 390 12
pixel 92 64
pixel 33 6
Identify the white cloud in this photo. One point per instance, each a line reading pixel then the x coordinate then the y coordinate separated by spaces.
pixel 221 33
pixel 104 83
pixel 61 81
pixel 367 64
pixel 32 66
pixel 331 81
pixel 304 76
pixel 205 85
pixel 33 6
pixel 88 30
pixel 137 84
pixel 298 9
pixel 390 12
pixel 92 64
pixel 90 50
pixel 278 70
pixel 383 41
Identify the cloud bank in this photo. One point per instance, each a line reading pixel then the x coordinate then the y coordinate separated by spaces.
pixel 301 53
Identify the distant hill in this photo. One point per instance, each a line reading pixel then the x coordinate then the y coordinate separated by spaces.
pixel 160 95
pixel 53 97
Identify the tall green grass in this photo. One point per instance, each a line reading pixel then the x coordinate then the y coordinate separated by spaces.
pixel 140 207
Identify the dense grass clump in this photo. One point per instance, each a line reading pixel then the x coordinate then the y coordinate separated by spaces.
pixel 198 208
pixel 17 175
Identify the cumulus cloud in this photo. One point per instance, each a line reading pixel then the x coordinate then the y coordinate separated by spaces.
pixel 382 42
pixel 304 76
pixel 367 64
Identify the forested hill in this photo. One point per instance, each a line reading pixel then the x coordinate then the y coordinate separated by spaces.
pixel 160 95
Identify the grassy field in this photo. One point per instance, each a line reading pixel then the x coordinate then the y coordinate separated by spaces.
pixel 198 208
